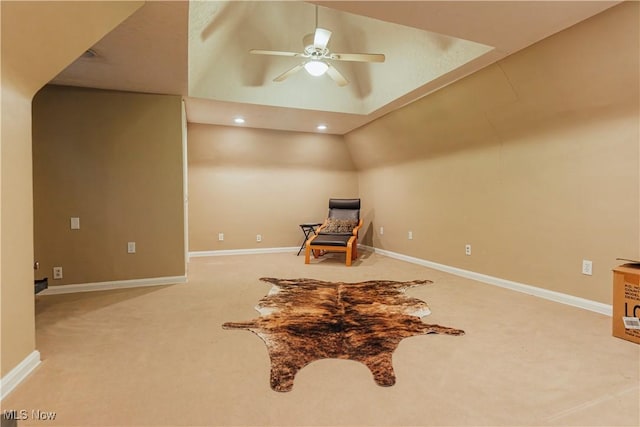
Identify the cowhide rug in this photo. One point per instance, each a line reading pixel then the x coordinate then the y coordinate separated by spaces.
pixel 303 320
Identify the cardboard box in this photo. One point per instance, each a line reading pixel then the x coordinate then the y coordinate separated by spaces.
pixel 626 302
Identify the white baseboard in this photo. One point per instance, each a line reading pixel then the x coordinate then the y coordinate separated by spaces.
pixel 196 254
pixel 19 373
pixel 571 300
pixel 116 284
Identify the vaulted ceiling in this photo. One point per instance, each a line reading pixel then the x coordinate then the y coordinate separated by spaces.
pixel 200 50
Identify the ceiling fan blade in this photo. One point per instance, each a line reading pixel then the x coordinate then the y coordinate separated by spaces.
pixel 336 76
pixel 289 72
pixel 321 38
pixel 360 57
pixel 274 52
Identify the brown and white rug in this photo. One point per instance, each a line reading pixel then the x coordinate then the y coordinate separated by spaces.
pixel 303 320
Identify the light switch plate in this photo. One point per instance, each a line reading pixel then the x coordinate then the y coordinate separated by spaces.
pixel 131 247
pixel 75 223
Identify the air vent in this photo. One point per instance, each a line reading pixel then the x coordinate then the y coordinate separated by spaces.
pixel 89 53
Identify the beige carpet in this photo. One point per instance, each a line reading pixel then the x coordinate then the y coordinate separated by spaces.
pixel 158 356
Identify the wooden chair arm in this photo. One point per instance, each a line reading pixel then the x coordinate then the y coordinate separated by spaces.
pixel 324 224
pixel 357 227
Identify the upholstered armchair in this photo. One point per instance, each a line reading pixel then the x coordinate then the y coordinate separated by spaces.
pixel 339 232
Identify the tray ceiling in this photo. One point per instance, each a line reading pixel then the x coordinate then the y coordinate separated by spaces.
pixel 200 50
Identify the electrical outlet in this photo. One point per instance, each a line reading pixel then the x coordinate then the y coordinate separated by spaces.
pixel 410 235
pixel 381 231
pixel 131 247
pixel 220 237
pixel 259 238
pixel 587 267
pixel 467 249
pixel 57 273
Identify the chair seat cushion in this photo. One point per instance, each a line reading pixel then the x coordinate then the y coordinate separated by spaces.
pixel 331 240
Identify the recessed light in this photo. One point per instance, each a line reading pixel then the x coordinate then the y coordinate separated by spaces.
pixel 321 127
pixel 238 120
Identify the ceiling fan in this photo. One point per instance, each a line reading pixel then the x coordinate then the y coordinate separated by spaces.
pixel 316 55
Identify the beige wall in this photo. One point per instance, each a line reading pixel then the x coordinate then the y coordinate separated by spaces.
pixel 533 161
pixel 38 40
pixel 114 160
pixel 244 182
pixel 17 315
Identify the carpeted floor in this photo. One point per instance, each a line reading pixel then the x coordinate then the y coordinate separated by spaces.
pixel 158 356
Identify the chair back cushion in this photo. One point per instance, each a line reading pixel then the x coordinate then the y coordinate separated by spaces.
pixel 344 204
pixel 344 209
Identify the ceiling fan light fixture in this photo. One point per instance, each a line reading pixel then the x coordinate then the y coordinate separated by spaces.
pixel 316 68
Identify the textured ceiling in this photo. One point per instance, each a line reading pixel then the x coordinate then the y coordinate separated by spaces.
pixel 200 50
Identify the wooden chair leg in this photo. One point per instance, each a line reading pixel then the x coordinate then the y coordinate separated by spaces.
pixel 307 253
pixel 349 255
